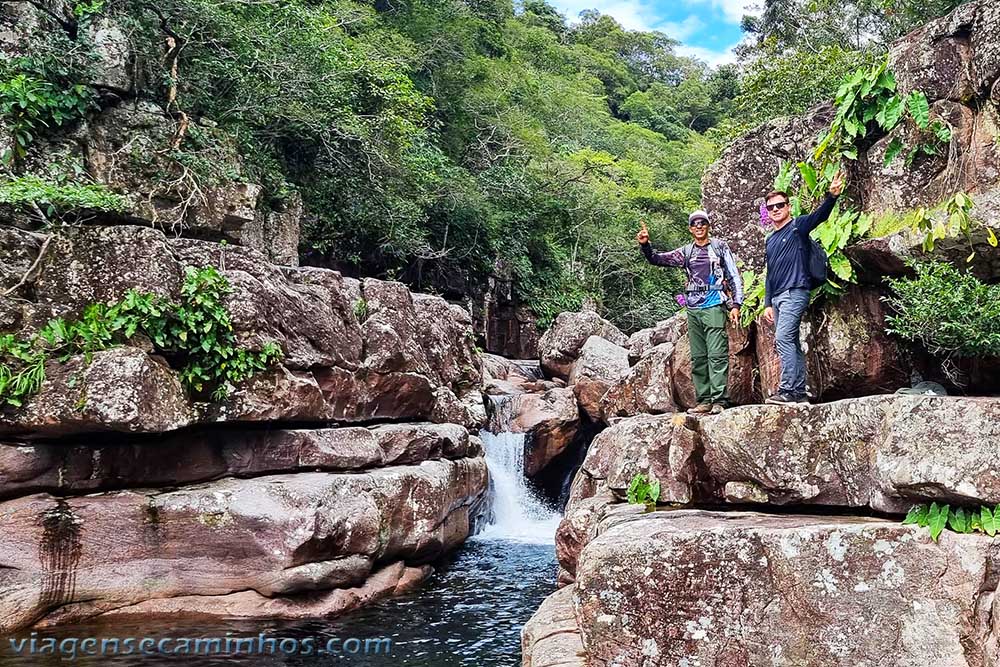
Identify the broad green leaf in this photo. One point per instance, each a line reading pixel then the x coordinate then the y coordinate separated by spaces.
pixel 887 80
pixel 892 151
pixel 917 515
pixel 841 266
pixel 808 175
pixel 957 520
pixel 988 521
pixel 919 109
pixel 889 117
pixel 937 519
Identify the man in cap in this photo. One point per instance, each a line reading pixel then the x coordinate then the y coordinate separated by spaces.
pixel 713 291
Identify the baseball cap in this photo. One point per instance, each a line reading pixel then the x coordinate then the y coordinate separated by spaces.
pixel 698 215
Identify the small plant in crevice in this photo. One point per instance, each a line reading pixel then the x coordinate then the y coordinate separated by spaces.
pixel 195 334
pixel 361 310
pixel 936 517
pixel 643 491
pixel 36 95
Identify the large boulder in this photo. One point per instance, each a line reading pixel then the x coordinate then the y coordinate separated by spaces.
pixel 646 388
pixel 601 363
pixel 693 587
pixel 121 389
pixel 881 452
pixel 560 346
pixel 551 637
pixel 299 533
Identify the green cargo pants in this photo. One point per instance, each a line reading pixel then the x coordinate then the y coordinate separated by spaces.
pixel 709 353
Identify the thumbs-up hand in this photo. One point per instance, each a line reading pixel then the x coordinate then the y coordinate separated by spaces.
pixel 643 235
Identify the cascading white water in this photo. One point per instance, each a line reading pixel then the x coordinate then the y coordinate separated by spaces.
pixel 518 513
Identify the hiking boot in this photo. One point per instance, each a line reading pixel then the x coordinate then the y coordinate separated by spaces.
pixel 802 399
pixel 718 408
pixel 782 398
pixel 701 409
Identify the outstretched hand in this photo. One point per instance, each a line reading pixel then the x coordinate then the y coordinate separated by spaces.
pixel 643 235
pixel 837 184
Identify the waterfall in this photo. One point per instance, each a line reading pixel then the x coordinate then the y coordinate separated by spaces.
pixel 517 513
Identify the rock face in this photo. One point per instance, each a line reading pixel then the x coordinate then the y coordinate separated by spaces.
pixel 304 532
pixel 953 60
pixel 204 514
pixel 353 352
pixel 561 344
pixel 752 589
pixel 885 453
pixel 61 468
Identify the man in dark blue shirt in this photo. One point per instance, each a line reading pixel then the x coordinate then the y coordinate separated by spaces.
pixel 786 290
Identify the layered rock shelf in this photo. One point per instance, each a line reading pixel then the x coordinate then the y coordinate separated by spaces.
pixel 337 477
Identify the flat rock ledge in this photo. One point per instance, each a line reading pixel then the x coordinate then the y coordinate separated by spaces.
pixel 727 589
pixel 880 452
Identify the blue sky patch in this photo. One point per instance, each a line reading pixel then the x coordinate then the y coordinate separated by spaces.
pixel 707 29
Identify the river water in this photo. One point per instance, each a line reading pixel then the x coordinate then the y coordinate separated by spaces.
pixel 469 613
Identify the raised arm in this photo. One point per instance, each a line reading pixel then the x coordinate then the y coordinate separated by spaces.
pixel 673 258
pixel 822 214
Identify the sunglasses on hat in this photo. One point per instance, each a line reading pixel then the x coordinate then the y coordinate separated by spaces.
pixel 778 206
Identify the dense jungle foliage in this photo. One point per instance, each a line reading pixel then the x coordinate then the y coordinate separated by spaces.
pixel 443 141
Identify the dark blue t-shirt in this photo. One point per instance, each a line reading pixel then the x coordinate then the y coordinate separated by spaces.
pixel 787 254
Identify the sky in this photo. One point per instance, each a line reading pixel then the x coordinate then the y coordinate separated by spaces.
pixel 707 29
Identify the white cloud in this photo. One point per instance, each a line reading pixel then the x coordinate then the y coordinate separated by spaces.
pixel 631 14
pixel 682 30
pixel 733 10
pixel 713 58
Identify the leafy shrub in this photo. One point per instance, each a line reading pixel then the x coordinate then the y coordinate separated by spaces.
pixel 195 334
pixel 37 94
pixel 961 520
pixel 949 311
pixel 644 492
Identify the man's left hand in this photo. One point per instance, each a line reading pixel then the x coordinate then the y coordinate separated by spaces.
pixel 734 317
pixel 837 184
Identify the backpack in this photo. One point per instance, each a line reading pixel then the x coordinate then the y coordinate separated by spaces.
pixel 817 263
pixel 714 248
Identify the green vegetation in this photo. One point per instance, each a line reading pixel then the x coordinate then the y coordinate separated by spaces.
pixel 194 334
pixel 961 520
pixel 799 50
pixel 59 199
pixel 949 311
pixel 642 491
pixel 440 142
